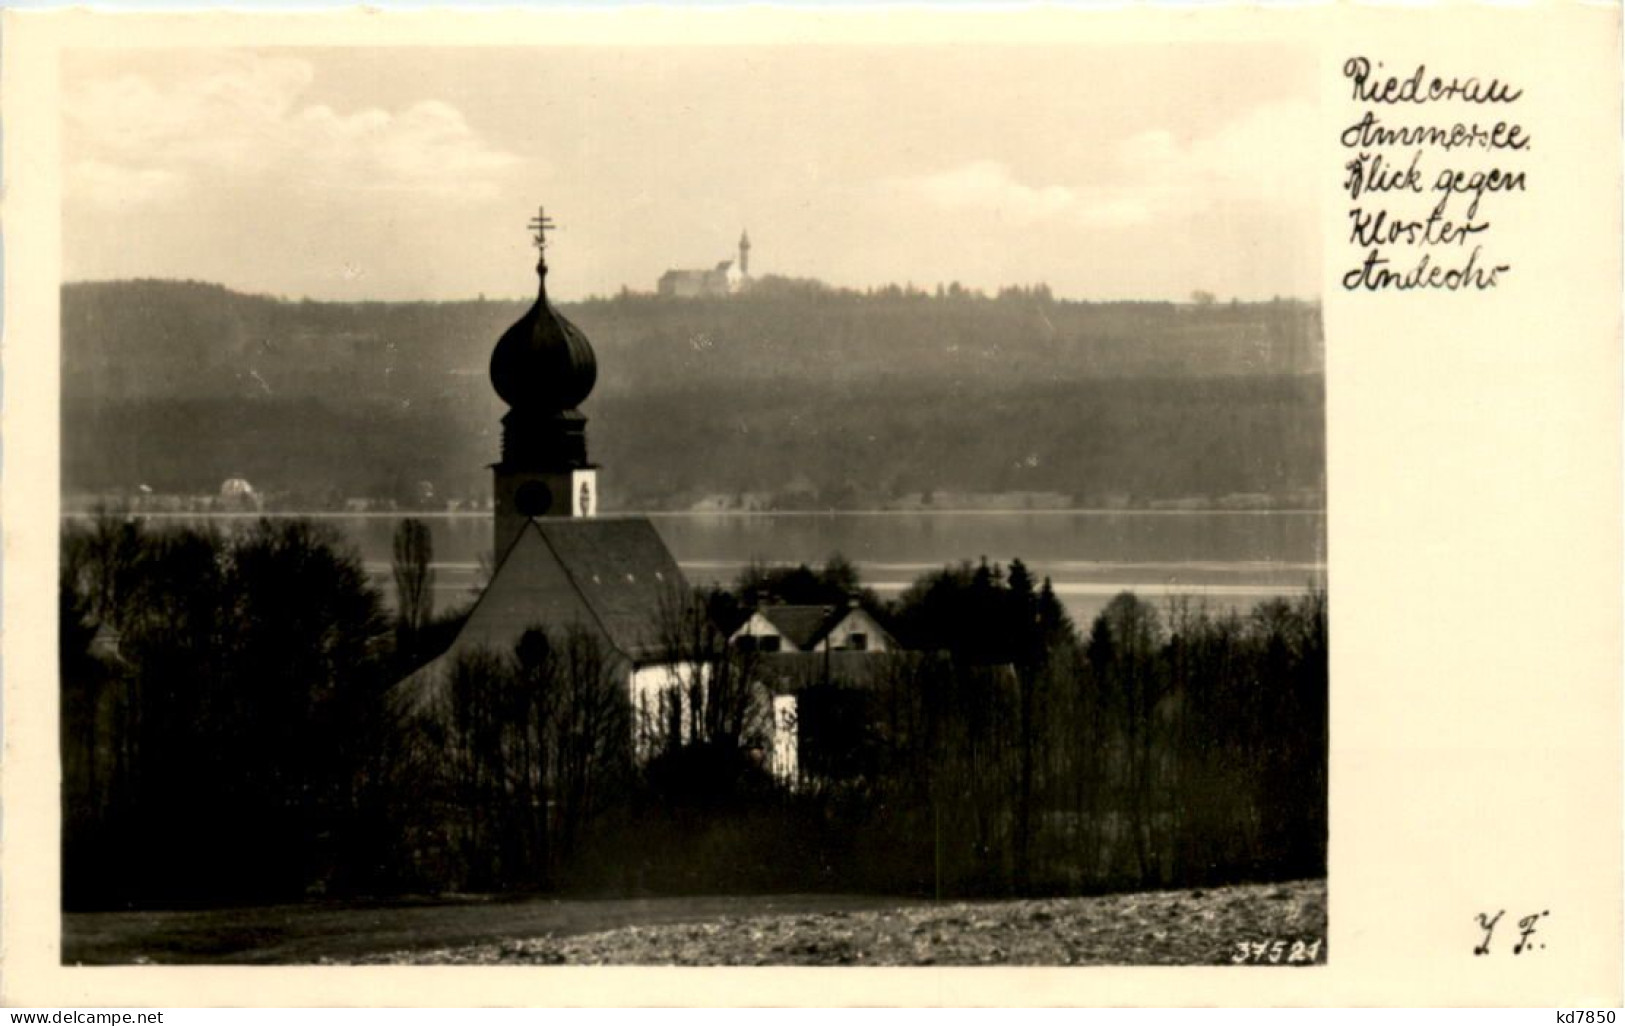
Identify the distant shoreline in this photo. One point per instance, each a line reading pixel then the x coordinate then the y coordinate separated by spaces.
pixel 672 513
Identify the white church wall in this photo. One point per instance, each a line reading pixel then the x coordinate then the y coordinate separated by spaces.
pixel 661 691
pixel 786 739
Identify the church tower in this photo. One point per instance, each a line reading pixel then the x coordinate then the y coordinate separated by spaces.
pixel 744 252
pixel 543 367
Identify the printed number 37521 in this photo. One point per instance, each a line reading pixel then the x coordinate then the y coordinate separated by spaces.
pixel 1275 951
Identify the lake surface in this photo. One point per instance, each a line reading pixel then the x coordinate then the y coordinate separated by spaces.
pixel 1229 559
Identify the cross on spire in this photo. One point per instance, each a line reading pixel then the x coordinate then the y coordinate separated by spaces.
pixel 541 224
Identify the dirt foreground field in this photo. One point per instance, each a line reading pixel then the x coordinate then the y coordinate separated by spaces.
pixel 1190 927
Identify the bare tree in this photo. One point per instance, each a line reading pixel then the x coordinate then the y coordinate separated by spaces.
pixel 413 568
pixel 1125 647
pixel 715 695
pixel 591 734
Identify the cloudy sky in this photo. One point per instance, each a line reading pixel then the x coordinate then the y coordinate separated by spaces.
pixel 347 173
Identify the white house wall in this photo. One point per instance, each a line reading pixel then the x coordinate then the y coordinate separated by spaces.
pixel 759 626
pixel 859 622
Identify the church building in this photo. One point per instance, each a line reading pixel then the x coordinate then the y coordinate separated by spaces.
pixel 727 278
pixel 560 564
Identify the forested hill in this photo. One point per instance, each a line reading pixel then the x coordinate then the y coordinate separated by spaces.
pixel 792 394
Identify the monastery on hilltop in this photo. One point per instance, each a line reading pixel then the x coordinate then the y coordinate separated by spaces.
pixel 727 278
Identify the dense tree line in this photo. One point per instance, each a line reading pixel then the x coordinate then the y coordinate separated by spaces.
pixel 191 340
pixel 807 396
pixel 1009 754
pixel 793 444
pixel 233 729
pixel 214 687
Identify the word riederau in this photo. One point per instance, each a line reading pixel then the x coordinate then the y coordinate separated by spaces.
pixel 1413 90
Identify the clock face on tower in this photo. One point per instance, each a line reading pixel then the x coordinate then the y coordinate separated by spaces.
pixel 533 499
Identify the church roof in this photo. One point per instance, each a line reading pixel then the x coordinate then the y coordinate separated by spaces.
pixel 622 568
pixel 612 576
pixel 543 362
pixel 802 626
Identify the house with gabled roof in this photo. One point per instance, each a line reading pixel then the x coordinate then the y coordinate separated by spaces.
pixel 800 646
pixel 809 628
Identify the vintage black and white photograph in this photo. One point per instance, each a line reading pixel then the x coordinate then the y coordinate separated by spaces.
pixel 693 505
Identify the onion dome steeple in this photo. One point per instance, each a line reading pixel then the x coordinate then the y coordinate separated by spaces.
pixel 543 367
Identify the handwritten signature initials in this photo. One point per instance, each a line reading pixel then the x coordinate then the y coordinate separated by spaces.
pixel 1526 931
